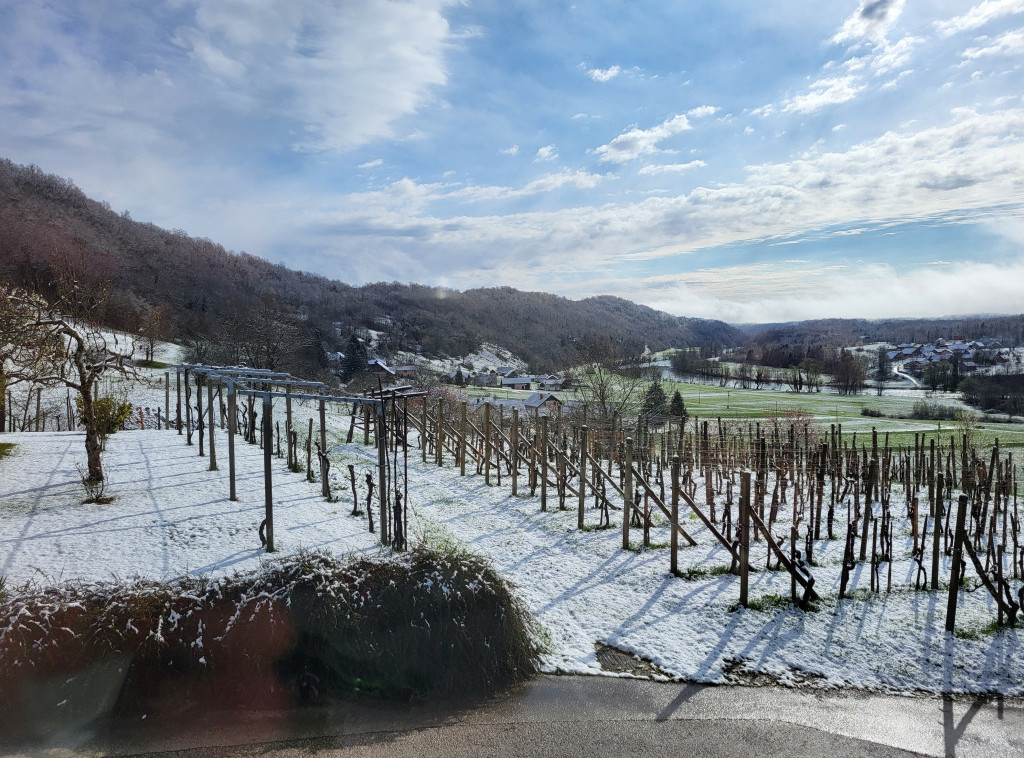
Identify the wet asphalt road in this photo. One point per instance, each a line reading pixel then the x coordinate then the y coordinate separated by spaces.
pixel 581 716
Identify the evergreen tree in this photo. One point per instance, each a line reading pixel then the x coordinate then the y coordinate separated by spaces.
pixel 654 400
pixel 355 360
pixel 677 407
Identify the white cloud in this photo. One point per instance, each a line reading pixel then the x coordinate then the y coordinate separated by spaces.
pixel 181 76
pixel 604 74
pixel 638 142
pixel 546 153
pixel 888 57
pixel 1011 43
pixel 546 183
pixel 967 169
pixel 824 92
pixel 372 164
pixel 671 168
pixel 514 150
pixel 702 110
pixel 871 21
pixel 777 291
pixel 345 70
pixel 979 15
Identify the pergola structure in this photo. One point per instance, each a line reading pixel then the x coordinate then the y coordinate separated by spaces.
pixel 267 385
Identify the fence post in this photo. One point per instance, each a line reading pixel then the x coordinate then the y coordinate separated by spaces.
pixel 232 422
pixel 583 476
pixel 268 480
pixel 958 553
pixel 384 487
pixel 200 421
pixel 177 404
pixel 440 432
pixel 744 536
pixel 544 463
pixel 325 487
pixel 463 447
pixel 674 544
pixel 188 410
pixel 423 436
pixel 513 438
pixel 292 456
pixel 167 399
pixel 627 506
pixel 487 444
pixel 937 531
pixel 213 423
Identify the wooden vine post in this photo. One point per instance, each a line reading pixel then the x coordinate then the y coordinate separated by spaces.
pixel 583 477
pixel 958 555
pixel 463 447
pixel 514 444
pixel 744 537
pixel 212 424
pixel 268 484
pixel 325 485
pixel 544 463
pixel 200 416
pixel 232 422
pixel 627 493
pixel 177 390
pixel 487 444
pixel 292 456
pixel 674 535
pixel 383 495
pixel 440 432
pixel 423 430
pixel 937 531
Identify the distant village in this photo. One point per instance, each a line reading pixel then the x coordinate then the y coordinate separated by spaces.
pixel 968 356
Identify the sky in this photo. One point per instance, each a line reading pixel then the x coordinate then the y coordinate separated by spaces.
pixel 744 161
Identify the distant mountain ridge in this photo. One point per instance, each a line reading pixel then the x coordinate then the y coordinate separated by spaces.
pixel 188 287
pixel 837 331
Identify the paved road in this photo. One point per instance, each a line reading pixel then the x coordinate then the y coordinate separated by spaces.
pixel 587 716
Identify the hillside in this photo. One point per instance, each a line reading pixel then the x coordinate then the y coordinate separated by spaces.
pixel 839 332
pixel 192 289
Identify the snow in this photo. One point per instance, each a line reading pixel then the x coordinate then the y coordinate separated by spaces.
pixel 171 516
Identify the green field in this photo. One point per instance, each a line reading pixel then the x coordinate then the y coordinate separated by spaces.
pixel 710 403
pixel 714 402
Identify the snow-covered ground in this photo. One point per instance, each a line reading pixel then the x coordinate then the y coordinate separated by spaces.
pixel 172 516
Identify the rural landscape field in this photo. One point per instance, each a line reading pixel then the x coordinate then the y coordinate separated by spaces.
pixel 407 352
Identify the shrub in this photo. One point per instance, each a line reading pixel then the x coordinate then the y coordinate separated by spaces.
pixel 110 414
pixel 933 411
pixel 423 622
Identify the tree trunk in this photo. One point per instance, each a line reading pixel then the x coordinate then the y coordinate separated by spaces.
pixel 92 437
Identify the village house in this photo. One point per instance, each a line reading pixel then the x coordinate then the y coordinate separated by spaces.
pixel 381 369
pixel 544 402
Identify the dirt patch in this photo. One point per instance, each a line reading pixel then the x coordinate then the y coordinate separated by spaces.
pixel 620 662
pixel 740 671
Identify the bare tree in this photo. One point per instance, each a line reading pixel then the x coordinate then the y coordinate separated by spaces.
pixel 57 345
pixel 608 381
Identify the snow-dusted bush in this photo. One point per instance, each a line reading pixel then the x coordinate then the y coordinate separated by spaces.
pixel 423 622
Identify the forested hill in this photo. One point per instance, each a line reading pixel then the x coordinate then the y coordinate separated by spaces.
pixel 840 332
pixel 190 288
